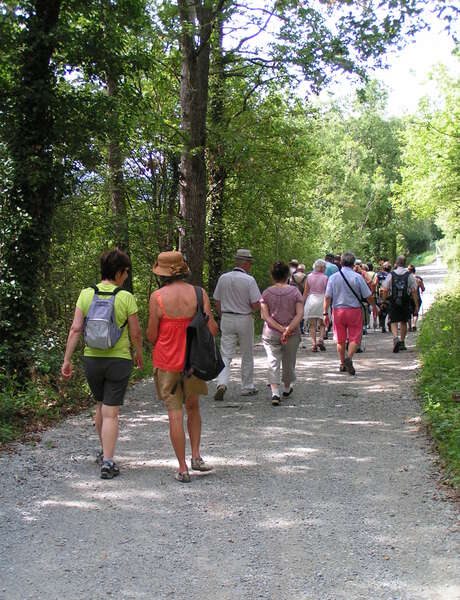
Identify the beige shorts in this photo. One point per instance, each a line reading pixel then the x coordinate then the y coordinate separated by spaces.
pixel 165 382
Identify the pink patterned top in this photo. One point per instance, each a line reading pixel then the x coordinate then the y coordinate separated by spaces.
pixel 317 282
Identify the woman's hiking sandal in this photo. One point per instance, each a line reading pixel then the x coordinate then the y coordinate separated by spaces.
pixel 109 470
pixel 198 464
pixel 183 477
pixel 321 346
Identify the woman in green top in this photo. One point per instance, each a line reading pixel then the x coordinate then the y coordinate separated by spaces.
pixel 108 371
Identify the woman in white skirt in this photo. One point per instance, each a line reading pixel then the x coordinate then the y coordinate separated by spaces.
pixel 315 288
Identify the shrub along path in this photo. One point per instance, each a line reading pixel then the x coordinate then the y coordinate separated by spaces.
pixel 333 495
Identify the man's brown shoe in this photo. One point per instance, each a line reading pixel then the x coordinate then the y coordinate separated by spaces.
pixel 220 393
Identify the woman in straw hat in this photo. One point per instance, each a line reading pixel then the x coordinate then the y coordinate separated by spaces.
pixel 171 309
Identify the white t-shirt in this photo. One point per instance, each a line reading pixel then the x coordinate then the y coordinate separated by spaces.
pixel 236 291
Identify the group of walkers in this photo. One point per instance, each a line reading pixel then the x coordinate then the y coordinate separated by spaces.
pixel 338 289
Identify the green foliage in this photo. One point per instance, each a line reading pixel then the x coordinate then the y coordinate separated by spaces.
pixel 439 379
pixel 44 397
pixel 430 184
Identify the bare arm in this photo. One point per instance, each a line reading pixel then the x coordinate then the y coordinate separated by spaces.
pixel 326 306
pixel 218 307
pixel 154 320
pixel 135 335
pixel 371 300
pixel 306 291
pixel 415 299
pixel 212 325
pixel 255 305
pixel 74 335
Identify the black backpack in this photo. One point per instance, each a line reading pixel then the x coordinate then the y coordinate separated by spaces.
pixel 202 356
pixel 400 289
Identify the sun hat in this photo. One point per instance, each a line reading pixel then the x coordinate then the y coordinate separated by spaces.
pixel 244 254
pixel 294 261
pixel 170 264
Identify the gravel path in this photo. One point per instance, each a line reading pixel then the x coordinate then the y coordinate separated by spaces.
pixel 333 495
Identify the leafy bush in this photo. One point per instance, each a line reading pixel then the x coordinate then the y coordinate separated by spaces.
pixel 44 397
pixel 439 379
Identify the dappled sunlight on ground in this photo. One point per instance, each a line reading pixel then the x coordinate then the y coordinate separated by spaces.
pixel 328 497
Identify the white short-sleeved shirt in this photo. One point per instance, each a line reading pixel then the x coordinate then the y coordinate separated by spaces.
pixel 236 291
pixel 411 281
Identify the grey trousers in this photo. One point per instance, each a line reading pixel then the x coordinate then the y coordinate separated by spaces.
pixel 237 328
pixel 278 355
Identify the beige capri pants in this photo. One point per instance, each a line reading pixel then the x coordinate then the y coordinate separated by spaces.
pixel 281 355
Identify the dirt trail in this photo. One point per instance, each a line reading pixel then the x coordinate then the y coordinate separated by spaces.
pixel 331 496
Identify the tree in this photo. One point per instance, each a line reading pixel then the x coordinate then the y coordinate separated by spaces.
pixel 36 181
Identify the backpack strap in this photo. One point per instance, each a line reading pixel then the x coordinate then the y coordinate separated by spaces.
pixel 101 293
pixel 112 293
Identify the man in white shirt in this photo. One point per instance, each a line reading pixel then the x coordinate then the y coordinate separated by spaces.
pixel 237 296
pixel 398 287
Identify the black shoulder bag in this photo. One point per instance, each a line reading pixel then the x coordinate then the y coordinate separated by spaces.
pixel 202 356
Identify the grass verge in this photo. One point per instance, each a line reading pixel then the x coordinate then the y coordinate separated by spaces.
pixel 439 379
pixel 47 398
pixel 426 258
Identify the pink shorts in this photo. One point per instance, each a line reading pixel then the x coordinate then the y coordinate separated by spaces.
pixel 347 324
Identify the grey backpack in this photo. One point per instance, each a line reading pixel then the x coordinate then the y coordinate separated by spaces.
pixel 101 330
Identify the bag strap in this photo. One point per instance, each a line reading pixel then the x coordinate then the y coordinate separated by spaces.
pixel 112 293
pixel 360 300
pixel 101 293
pixel 199 298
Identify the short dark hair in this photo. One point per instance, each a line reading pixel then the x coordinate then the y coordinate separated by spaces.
pixel 348 259
pixel 165 280
pixel 370 266
pixel 279 271
pixel 329 257
pixel 112 262
pixel 401 261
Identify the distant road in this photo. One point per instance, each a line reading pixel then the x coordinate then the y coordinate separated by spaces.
pixel 434 279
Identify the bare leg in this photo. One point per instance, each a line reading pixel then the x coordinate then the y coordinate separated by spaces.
pixel 403 331
pixel 313 333
pixel 98 420
pixel 352 347
pixel 177 436
pixel 321 331
pixel 109 430
pixel 341 351
pixel 394 329
pixel 194 424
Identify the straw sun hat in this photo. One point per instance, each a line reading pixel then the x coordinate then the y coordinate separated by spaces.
pixel 170 264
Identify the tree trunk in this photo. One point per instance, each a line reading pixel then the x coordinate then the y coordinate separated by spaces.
pixel 37 188
pixel 116 180
pixel 217 171
pixel 196 22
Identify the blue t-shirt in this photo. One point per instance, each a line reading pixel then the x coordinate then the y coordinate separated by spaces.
pixel 342 296
pixel 330 269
